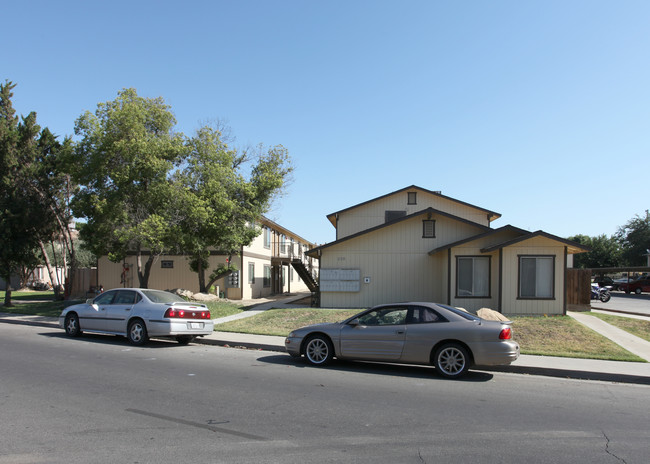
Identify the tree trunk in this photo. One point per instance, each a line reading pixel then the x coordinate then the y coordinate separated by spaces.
pixel 52 273
pixel 144 271
pixel 201 272
pixel 7 279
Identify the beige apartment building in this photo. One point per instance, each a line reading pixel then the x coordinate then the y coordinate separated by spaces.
pixel 419 245
pixel 275 262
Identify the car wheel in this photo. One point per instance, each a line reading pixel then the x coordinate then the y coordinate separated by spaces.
pixel 451 360
pixel 185 339
pixel 72 325
pixel 637 291
pixel 319 350
pixel 137 333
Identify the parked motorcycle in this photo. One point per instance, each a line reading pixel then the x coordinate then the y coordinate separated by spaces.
pixel 600 293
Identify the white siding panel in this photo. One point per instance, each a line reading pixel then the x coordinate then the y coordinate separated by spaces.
pixel 372 214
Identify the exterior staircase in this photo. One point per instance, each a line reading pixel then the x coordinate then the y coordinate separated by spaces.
pixel 305 274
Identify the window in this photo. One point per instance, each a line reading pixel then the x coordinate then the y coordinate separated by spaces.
pixel 536 277
pixel 413 198
pixel 267 237
pixel 125 297
pixel 251 273
pixel 472 276
pixel 384 316
pixel 428 228
pixel 267 275
pixel 167 264
pixel 421 315
pixel 392 215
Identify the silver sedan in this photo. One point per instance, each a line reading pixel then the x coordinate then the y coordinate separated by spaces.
pixel 137 314
pixel 448 338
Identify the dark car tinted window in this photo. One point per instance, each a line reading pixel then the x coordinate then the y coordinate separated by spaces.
pixel 421 315
pixel 385 316
pixel 158 296
pixel 125 297
pixel 105 298
pixel 461 313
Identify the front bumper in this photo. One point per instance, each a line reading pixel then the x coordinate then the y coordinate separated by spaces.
pixel 292 345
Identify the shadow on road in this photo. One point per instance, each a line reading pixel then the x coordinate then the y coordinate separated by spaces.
pixel 116 340
pixel 364 367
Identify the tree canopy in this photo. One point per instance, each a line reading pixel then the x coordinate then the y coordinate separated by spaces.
pixel 127 150
pixel 226 204
pixel 26 216
pixel 634 238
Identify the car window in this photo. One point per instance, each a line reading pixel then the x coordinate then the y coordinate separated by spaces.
pixel 385 316
pixel 125 297
pixel 105 298
pixel 421 315
pixel 158 296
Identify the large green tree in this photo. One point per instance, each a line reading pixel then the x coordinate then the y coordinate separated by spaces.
pixel 128 149
pixel 634 238
pixel 225 192
pixel 605 252
pixel 26 217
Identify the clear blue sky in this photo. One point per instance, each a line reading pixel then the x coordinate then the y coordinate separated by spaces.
pixel 538 110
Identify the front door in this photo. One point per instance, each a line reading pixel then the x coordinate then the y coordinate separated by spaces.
pixel 379 335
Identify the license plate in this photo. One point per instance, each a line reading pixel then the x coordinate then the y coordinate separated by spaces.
pixel 195 325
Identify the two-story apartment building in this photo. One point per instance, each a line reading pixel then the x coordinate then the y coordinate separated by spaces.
pixel 419 245
pixel 275 262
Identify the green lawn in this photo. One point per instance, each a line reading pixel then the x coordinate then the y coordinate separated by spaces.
pixel 547 336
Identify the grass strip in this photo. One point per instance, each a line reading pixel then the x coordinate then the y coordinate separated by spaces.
pixel 638 327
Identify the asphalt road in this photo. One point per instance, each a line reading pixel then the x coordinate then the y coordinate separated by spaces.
pixel 626 302
pixel 98 399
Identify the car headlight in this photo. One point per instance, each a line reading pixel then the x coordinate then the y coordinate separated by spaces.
pixel 291 335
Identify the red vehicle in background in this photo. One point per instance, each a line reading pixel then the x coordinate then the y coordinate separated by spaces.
pixel 642 284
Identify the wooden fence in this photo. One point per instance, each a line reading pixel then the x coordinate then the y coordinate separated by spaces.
pixel 578 289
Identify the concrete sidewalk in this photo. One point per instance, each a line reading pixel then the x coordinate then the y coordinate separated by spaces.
pixel 589 369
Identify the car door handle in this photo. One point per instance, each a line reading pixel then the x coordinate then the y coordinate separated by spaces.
pixel 399 332
pixel 127 309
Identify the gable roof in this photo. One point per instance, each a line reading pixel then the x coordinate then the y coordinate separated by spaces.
pixel 507 228
pixel 572 247
pixel 491 214
pixel 314 251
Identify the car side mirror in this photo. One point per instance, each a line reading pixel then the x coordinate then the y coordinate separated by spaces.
pixel 354 322
pixel 89 301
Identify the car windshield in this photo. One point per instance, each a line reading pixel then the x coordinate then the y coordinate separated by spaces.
pixel 158 296
pixel 461 313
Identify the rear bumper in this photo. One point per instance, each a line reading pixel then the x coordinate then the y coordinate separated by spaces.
pixel 496 353
pixel 173 328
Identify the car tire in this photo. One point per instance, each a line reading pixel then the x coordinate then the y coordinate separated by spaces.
pixel 637 291
pixel 185 339
pixel 451 360
pixel 319 350
pixel 137 333
pixel 71 325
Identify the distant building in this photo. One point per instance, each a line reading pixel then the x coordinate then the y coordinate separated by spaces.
pixel 275 262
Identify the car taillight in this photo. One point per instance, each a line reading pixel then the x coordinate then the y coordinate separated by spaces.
pixel 506 334
pixel 176 313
